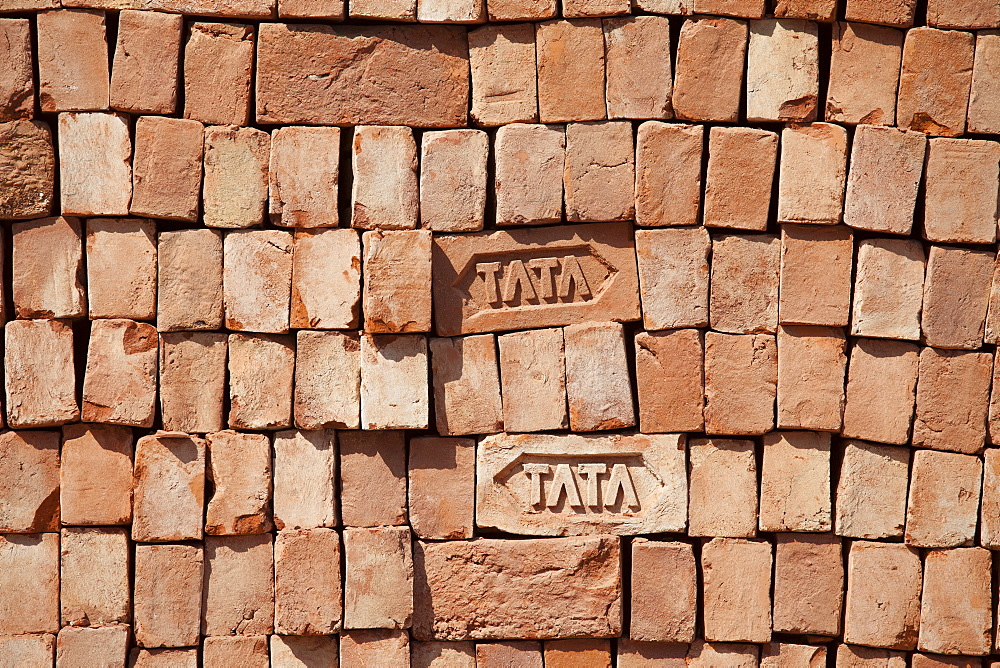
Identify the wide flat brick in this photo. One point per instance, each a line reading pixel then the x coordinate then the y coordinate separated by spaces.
pixel 723 655
pixel 307 582
pixel 638 75
pixel 504 83
pixel 943 505
pixel 638 654
pixel 741 167
pixel 783 71
pixel 120 382
pixel 812 364
pixel 95 474
pixel 673 277
pixel 397 281
pixel 73 70
pixel 956 297
pixel 723 488
pixel 898 13
pixel 30 570
pixel 577 653
pixel 261 373
pixel 121 268
pixel 304 465
pixel 959 204
pixel 144 75
pixel 864 74
pixel 239 586
pixel 888 289
pixel 668 160
pixel 166 179
pixel 993 413
pixel 326 279
pixel 27 167
pixel 664 591
pixel 881 390
pixel 95 174
pixel 935 81
pixel 466 385
pixel 30 461
pixel 451 11
pixel 235 187
pixel 529 161
pixel 985 94
pixel 248 651
pixel 47 262
pixel 956 603
pixel 167 595
pixel 17 84
pixel 813 170
pixel 808 584
pixel 192 380
pixel 303 177
pixel 389 10
pixel 989 527
pixel 86 646
pixel 169 493
pixel 670 380
pixel 886 168
pixel 218 61
pixel 94 577
pixel 533 377
pixel 857 656
pixel 378 578
pixel 570 71
pixel 394 382
pixel 744 283
pixel 453 180
pixel 952 400
pixel 710 56
pixel 815 10
pixel 795 482
pixel 919 660
pixel 525 653
pixel 384 194
pixel 741 381
pixel 303 651
pixel 753 9
pixel 443 654
pixel 441 468
pixel 871 492
pixel 736 589
pixel 969 14
pixel 598 388
pixel 39 376
pixel 373 478
pixel 327 380
pixel 816 265
pixel 775 655
pixel 360 648
pixel 882 608
pixel 257 280
pixel 599 177
pixel 163 658
pixel 240 471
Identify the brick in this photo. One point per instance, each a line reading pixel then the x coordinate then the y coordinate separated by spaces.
pixel 390 10
pixel 240 471
pixel 378 578
pixel 864 74
pixel 466 380
pixel 72 60
pixel 372 478
pixel 397 281
pixel 989 531
pixel 442 468
pixel 257 280
pixel 384 193
pixel 442 655
pixel 918 660
pixel 794 487
pixel 453 180
pixel 169 494
pixel 723 488
pixel 882 607
pixel 526 653
pixel 741 381
pixel 360 648
pixel 664 591
pixel 943 505
pixel 673 277
pixel 218 60
pixel 935 81
pixel 572 9
pixel 816 265
pixel 543 595
pixel 741 167
pixel 813 173
pixel 451 11
pixel 638 77
pixel 31 458
pixel 166 179
pixel 814 10
pixel 95 474
pixel 744 283
pixel 736 589
pixel 94 577
pixel 303 177
pixel 808 585
pixel 39 375
pixel 722 655
pixel 993 412
pixel 121 268
pixel 249 651
pixel 667 160
pixel 856 656
pixel 570 71
pixel 95 174
pixel 753 9
pixel 394 382
pixel 971 14
pixel 952 400
pixel 307 582
pixel 120 383
pixel 327 380
pixel 598 390
pixel 326 279
pixel 144 76
pixel 599 178
pixel 774 655
pixel 710 56
pixel 86 646
pixel 636 654
pixel 17 84
pixel 956 297
pixel 886 168
pixel 239 586
pixel 533 380
pixel 783 71
pixel 163 658
pixel 304 465
pixel 881 390
pixel 304 651
pixel 897 13
pixel 670 380
pixel 985 92
pixel 30 567
pixel 888 289
pixel 27 167
pixel 529 162
pixel 192 380
pixel 959 205
pixel 589 484
pixel 502 60
pixel 167 594
pixel 955 608
pixel 47 265
pixel 29 5
pixel 812 364
pixel 235 189
pixel 577 653
pixel 386 75
pixel 261 372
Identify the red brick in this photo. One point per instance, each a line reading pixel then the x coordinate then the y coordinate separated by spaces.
pixel 192 380
pixel 17 84
pixel 385 193
pixel 812 364
pixel 956 605
pixel 257 280
pixel 169 494
pixel 871 491
pixel 886 168
pixel 502 60
pixel 397 281
pixel 888 288
pixel 935 81
pixel 144 76
pixel 307 582
pixel 571 71
pixel 166 180
pixel 239 586
pixel 864 74
pixel 95 485
pixel 27 166
pixel 736 589
pixel 39 375
pixel 303 177
pixel 47 262
pixel 813 173
pixel 956 297
pixel 723 488
pixel 95 177
pixel 167 595
pixel 673 277
pixel 815 10
pixel 883 595
pixel 668 174
pixel 599 177
pixel 985 94
pixel 120 382
pixel 598 388
pixel 578 653
pixel 529 162
pixel 261 372
pixel 240 471
pixel 881 390
pixel 533 376
pixel 794 486
pixel 952 400
pixel 248 651
pixel 326 279
pixel 466 385
pixel 943 505
pixel 744 283
pixel 163 658
pixel 639 82
pixel 893 13
pixel 304 651
pixel 121 268
pixel 218 60
pixel 721 655
pixel 234 190
pixel 364 648
pixel 333 10
pixel 304 465
pixel 711 52
pixel 442 468
pixel 85 646
pixel 816 265
pixel 969 14
pixel 664 591
pixel 94 585
pixel 442 655
pixel 29 460
pixel 776 655
pixel 741 380
pixel 856 656
pixel 782 70
pixel 522 653
pixel 453 180
pixel 670 380
pixel 373 478
pixel 741 165
pixel 30 567
pixel 394 382
pixel 959 204
pixel 636 654
pixel 753 9
pixel 327 380
pixel 72 60
pixel 808 584
pixel 378 580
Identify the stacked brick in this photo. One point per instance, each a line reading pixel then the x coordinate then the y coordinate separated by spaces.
pixel 456 333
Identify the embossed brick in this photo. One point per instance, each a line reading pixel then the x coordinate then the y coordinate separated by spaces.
pixel 95 171
pixel 783 71
pixel 529 162
pixel 741 167
pixel 39 375
pixel 812 363
pixel 881 390
pixel 167 595
pixel 378 580
pixel 27 167
pixel 30 461
pixel 710 56
pixel 638 78
pixel 94 577
pixel 533 377
pixel 813 173
pixel 47 265
pixel 218 61
pixel 816 267
pixel 864 74
pixel 959 204
pixel 359 648
pixel 668 174
pixel 303 177
pixel 72 60
pixel 95 474
pixel 144 76
pixel 935 81
pixel 871 493
pixel 577 653
pixel 808 585
pixel 466 385
pixel 664 591
pixel 261 371
pixel 249 651
pixel 166 179
pixel 327 380
pixel 326 279
pixel 952 400
pixel 570 71
pixel 17 85
pixel 257 280
pixel 307 582
pixel 120 382
pixel 673 277
pixel 886 167
pixel 502 60
pixel 442 468
pixel 235 188
pixel 304 465
pixel 394 382
pixel 239 586
pixel 240 471
pixel 599 178
pixel 453 180
pixel 736 589
pixel 985 93
pixel 894 13
pixel 597 386
pixel 121 268
pixel 86 646
pixel 956 603
pixel 882 607
pixel 670 380
pixel 169 493
pixel 943 505
pixel 795 482
pixel 744 283
pixel 385 193
pixel 741 381
pixel 723 488
pixel 397 281
pixel 956 297
pixel 192 380
pixel 373 478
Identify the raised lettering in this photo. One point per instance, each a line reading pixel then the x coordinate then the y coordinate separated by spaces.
pixel 562 479
pixel 489 270
pixel 589 472
pixel 535 473
pixel 620 482
pixel 572 276
pixel 545 267
pixel 515 275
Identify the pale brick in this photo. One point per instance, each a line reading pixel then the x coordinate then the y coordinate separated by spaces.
pixel 744 283
pixel 30 463
pixel 378 578
pixel 599 178
pixel 163 658
pixel 571 71
pixel 84 646
pixel 368 647
pixel 307 582
pixel 776 655
pixel 17 84
pixel 638 78
pixel 864 74
pixel 736 589
pixel 72 60
pixel 522 653
pixel 218 61
pixel 397 281
pixel 720 655
pixel 871 493
pixel 47 263
pixel 442 469
pixel 94 577
pixel 816 265
pixel 664 592
pixel 121 268
pixel 257 280
pixel 893 13
pixel 235 188
pixel 741 166
pixel 303 177
pixel 192 380
pixel 935 81
pixel 247 651
pixel 741 382
pixel 984 100
pixel 442 655
pixel 918 660
pixel 304 651
pixel 753 9
pixel 453 180
pixel 27 167
pixel 968 14
pixel 502 60
pixel 528 163
pixel 670 380
pixel 960 205
pixel 795 482
pixel 956 297
pixel 327 380
pixel 598 390
pixel 577 653
pixel 95 475
pixel 144 76
pixel 813 174
pixel 326 279
pixel 451 11
pixel 394 382
pixel 573 9
pixel 856 656
pixel 723 488
pixel 943 505
pixel 385 193
pixel 881 390
pixel 886 168
pixel 169 494
pixel 95 171
pixel 239 586
pixel 240 471
pixel 956 603
pixel 883 595
pixel 637 654
pixel 304 465
pixel 888 289
pixel 120 383
pixel 533 380
pixel 952 400
pixel 711 52
pixel 387 10
pixel 168 591
pixel 29 564
pixel 466 385
pixel 668 174
pixel 372 478
pixel 166 179
pixel 261 373
pixel 39 375
pixel 673 277
pixel 812 364
pixel 816 10
pixel 989 528
pixel 783 71
pixel 808 585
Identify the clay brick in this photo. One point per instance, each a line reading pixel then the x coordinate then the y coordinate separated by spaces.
pixel 248 651
pixel 886 167
pixel 47 265
pixel 723 488
pixel 304 651
pixel 95 476
pixel 27 167
pixel 442 468
pixel 192 380
pixel 571 71
pixel 261 371
pixel 989 531
pixel 673 277
pixel 736 589
pixel 577 653
pixel 573 9
pixel 303 177
pixel 522 653
pixel 808 586
pixel 881 390
pixel 529 162
pixel 813 173
pixel 86 646
pixel 883 595
pixel 943 505
pixel 956 297
pixel 753 9
pixel 502 59
pixel 39 375
pixel 235 189
pixel 960 206
pixel 451 11
pixel 327 380
pixel 670 380
pixel 466 385
pixel 864 74
pixel 812 364
pixel 856 656
pixel 163 658
pixel 307 582
pixel 385 75
pixel 711 52
pixel 935 81
pixel 599 177
pixel 543 594
pixel 795 482
pixel 257 280
pixel 94 577
pixel 385 193
pixel 29 5
pixel 30 460
pixel 30 567
pixel 741 382
pixel 218 60
pixel 744 283
pixel 985 94
pixel 389 10
pixel 638 77
pixel 598 387
pixel 326 279
pixel 453 180
pixel 239 586
pixel 169 494
pixel 871 494
pixel 664 591
pixel 741 164
pixel 635 654
pixel 378 580
pixel 969 14
pixel 17 83
pixel 397 281
pixel 442 655
pixel 240 472
pixel 816 267
pixel 167 594
pixel 918 660
pixel 394 382
pixel 304 465
pixel 308 9
pixel 783 71
pixel 668 174
pixel 955 606
pixel 815 10
pixel 166 180
pixel 368 647
pixel 721 655
pixel 372 478
pixel 72 60
pixel 120 383
pixel 776 655
pixel 95 171
pixel 533 380
pixel 897 13
pixel 888 289
pixel 121 268
pixel 144 76
pixel 952 400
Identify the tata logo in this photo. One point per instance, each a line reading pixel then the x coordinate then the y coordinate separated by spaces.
pixel 604 486
pixel 540 280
